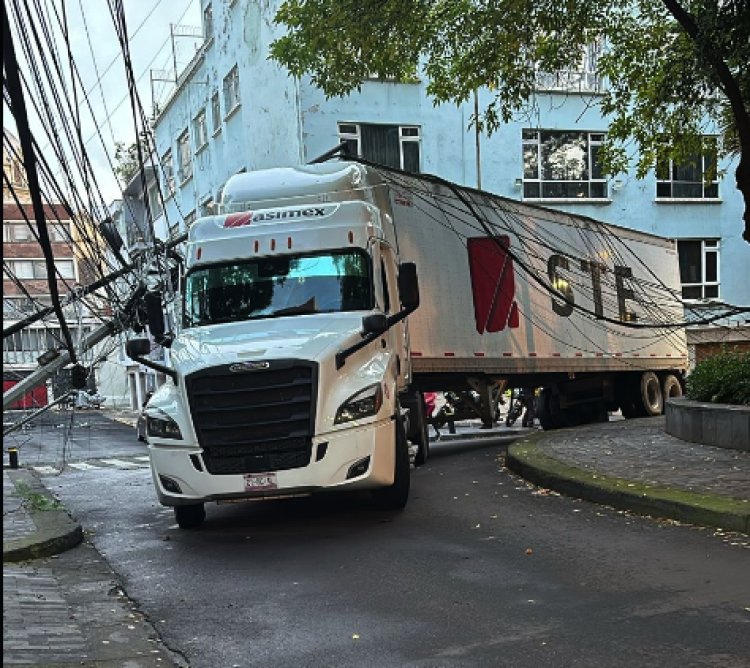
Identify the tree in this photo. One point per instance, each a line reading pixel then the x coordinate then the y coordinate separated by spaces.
pixel 675 70
pixel 126 160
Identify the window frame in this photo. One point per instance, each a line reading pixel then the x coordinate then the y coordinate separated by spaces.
pixel 216 118
pixel 38 268
pixel 346 134
pixel 167 168
pixel 708 247
pixel 58 231
pixel 709 144
pixel 154 200
pixel 200 130
pixel 231 83
pixel 185 164
pixel 208 23
pixel 592 138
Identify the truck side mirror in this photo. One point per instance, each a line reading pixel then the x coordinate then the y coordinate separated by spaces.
pixel 375 323
pixel 136 348
pixel 408 285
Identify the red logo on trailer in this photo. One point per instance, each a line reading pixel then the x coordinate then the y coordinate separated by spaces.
pixel 492 284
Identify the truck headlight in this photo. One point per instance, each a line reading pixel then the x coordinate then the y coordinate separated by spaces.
pixel 159 424
pixel 363 404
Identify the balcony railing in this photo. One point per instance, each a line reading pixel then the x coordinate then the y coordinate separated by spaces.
pixel 570 81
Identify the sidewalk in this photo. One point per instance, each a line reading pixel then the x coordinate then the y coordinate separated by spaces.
pixel 65 608
pixel 123 415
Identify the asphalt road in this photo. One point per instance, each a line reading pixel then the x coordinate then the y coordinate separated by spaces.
pixel 481 569
pixel 57 437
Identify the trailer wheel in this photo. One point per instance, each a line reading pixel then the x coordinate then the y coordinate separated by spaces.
pixel 549 412
pixel 191 516
pixel 651 394
pixel 396 496
pixel 671 386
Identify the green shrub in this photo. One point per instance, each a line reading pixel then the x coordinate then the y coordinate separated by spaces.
pixel 723 379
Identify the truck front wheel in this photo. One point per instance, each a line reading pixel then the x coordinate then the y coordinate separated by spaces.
pixel 396 496
pixel 190 517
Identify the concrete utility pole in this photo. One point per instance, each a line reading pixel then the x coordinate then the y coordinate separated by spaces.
pixel 476 138
pixel 40 375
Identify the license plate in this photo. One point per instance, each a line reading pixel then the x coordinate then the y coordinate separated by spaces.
pixel 260 481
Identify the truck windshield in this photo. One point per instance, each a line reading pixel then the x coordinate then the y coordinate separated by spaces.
pixel 271 287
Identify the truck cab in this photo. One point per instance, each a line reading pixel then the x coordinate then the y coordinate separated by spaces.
pixel 292 354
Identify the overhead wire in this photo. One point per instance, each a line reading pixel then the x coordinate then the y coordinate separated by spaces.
pixel 461 194
pixel 18 108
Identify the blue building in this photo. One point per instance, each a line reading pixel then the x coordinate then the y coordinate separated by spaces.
pixel 233 110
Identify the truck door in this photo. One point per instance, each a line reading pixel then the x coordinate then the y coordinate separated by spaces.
pixel 397 336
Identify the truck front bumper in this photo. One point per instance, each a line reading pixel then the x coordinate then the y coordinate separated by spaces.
pixel 180 476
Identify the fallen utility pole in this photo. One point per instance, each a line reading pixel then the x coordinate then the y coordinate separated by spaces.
pixel 40 375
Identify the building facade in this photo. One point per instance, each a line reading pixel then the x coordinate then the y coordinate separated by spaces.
pixel 233 110
pixel 26 289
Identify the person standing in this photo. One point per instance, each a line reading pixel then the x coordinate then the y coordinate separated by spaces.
pixel 430 400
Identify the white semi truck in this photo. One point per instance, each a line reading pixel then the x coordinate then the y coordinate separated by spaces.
pixel 305 343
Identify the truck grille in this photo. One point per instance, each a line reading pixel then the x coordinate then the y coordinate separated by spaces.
pixel 254 421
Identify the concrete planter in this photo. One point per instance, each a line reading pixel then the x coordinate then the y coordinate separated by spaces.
pixel 720 425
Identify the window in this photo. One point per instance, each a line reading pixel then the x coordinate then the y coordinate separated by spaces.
pixel 699 268
pixel 183 155
pixel 696 178
pixel 215 113
pixel 200 130
pixel 17 232
pixel 19 307
pixel 231 90
pixel 190 218
pixel 167 167
pixel 37 269
pixel 278 286
pixel 392 145
pixel 66 268
pixel 21 232
pixel 154 201
pixel 562 165
pixel 21 268
pixel 208 22
pixel 58 232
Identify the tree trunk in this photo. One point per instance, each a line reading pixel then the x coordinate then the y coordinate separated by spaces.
pixel 743 185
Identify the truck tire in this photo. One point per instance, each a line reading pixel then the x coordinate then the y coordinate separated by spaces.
pixel 549 412
pixel 191 516
pixel 418 426
pixel 652 398
pixel 671 386
pixel 396 496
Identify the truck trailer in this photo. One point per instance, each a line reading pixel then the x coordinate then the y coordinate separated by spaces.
pixel 323 300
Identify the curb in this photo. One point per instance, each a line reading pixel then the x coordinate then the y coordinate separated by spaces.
pixel 528 460
pixel 483 433
pixel 56 531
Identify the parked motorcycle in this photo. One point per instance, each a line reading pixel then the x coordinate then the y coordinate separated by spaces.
pixel 515 409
